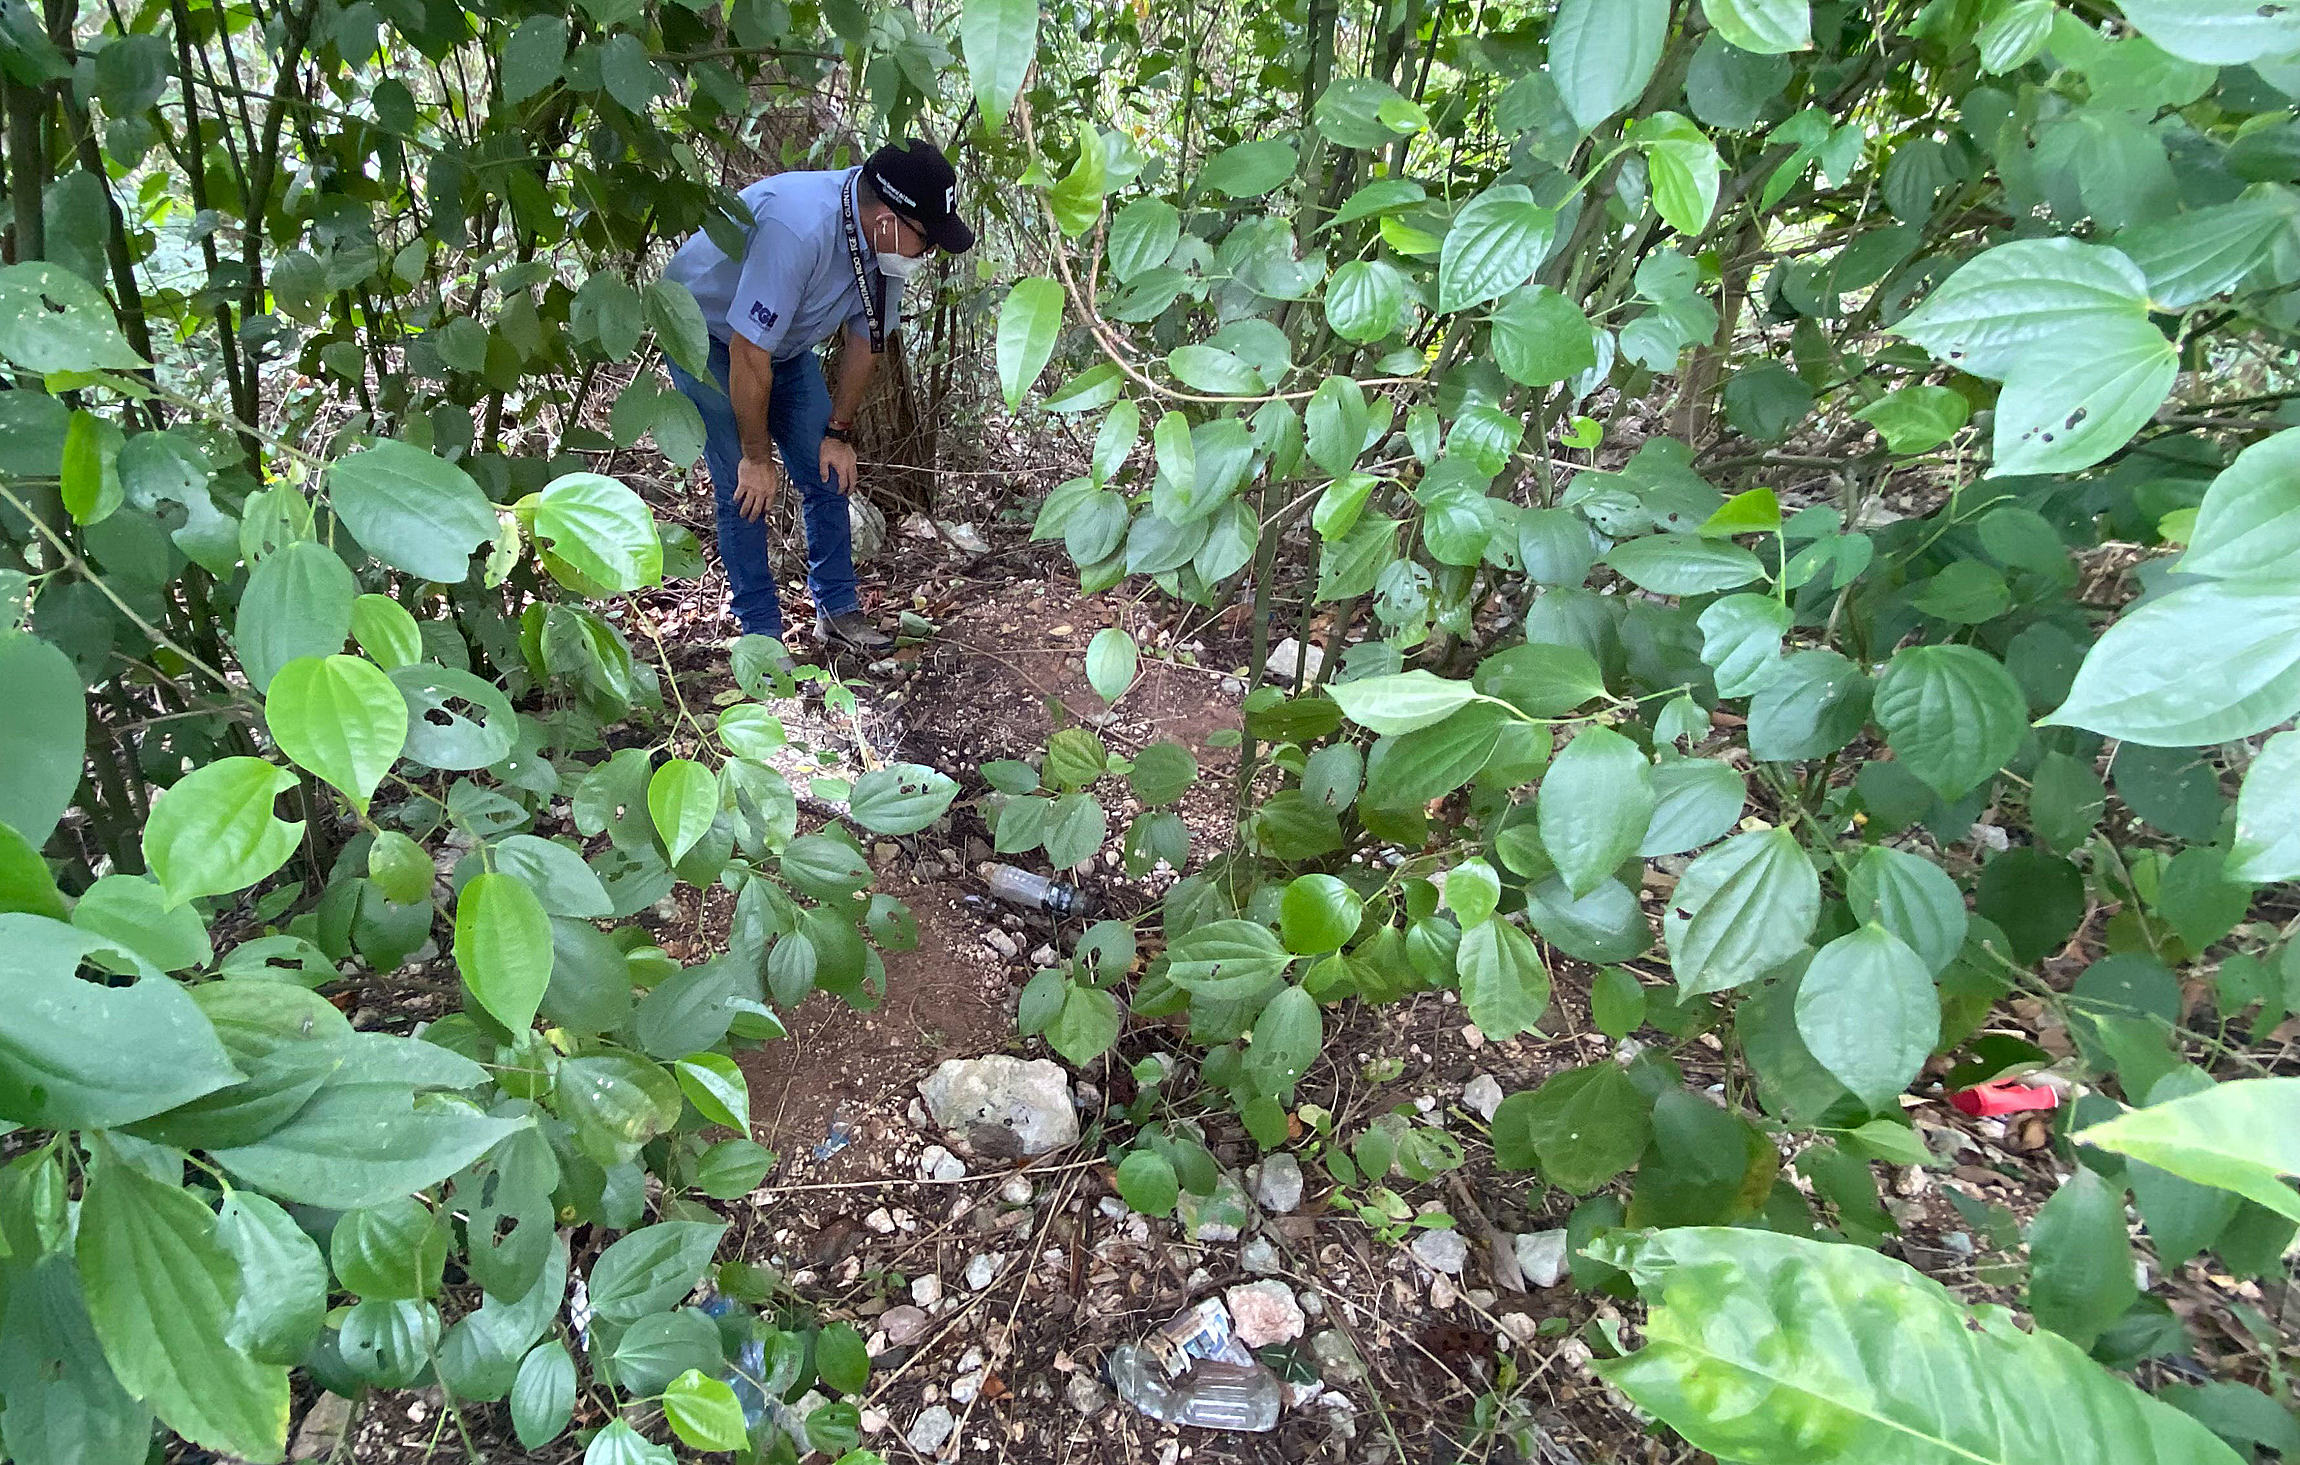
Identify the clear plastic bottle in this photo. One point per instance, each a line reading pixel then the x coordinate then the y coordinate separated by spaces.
pixel 1244 1397
pixel 1034 892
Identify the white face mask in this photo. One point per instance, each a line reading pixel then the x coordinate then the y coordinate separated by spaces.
pixel 898 268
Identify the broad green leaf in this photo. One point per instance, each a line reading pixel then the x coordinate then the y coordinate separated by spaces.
pixel 1496 243
pixel 1867 1011
pixel 1110 661
pixel 60 1049
pixel 1076 828
pixel 1541 679
pixel 1695 800
pixel 43 734
pixel 503 947
pixel 1764 1346
pixel 454 719
pixel 411 509
pixel 1000 40
pixel 2198 665
pixel 1540 337
pixel 1767 27
pixel 1363 299
pixel 602 530
pixel 396 1249
pixel 2198 253
pixel 1814 704
pixel 1680 564
pixel 620 1444
pixel 1683 166
pixel 1952 714
pixel 283 1279
pixel 298 603
pixel 132 911
pixel 26 885
pixel 2217 32
pixel 1226 960
pixel 715 1086
pixel 1146 1182
pixel 1582 1127
pixel 534 57
pixel 682 799
pixel 1086 1025
pixel 543 1396
pixel 52 320
pixel 1741 641
pixel 1595 802
pixel 1602 53
pixel 2031 298
pixel 669 307
pixel 1319 914
pixel 2035 898
pixel 63 1402
pixel 90 486
pixel 560 879
pixel 1409 771
pixel 901 798
pixel 2249 522
pixel 1911 897
pixel 1401 701
pixel 2080 1261
pixel 1348 113
pixel 618 1101
pixel 1740 910
pixel 1249 169
pixel 2012 39
pixel 341 718
pixel 1285 1042
pixel 1917 419
pixel 704 1411
pixel 1472 892
pixel 2267 846
pixel 2060 417
pixel 1211 369
pixel 1335 423
pixel 1027 324
pixel 1142 236
pixel 386 632
pixel 1163 773
pixel 1504 984
pixel 162 1292
pixel 214 831
pixel 2240 1135
pixel 650 1269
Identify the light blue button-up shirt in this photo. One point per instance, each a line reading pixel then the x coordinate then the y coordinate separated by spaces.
pixel 794 285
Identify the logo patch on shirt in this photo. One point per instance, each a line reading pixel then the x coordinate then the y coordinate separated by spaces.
pixel 765 317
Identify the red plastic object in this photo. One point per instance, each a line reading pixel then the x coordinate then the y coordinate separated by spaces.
pixel 2004 1097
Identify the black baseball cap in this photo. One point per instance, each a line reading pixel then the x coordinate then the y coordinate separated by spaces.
pixel 916 181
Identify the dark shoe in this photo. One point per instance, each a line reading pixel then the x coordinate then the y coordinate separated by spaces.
pixel 852 630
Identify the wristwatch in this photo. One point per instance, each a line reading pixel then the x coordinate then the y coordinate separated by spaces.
pixel 840 432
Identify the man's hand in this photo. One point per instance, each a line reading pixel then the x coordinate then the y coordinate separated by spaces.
pixel 838 464
pixel 755 483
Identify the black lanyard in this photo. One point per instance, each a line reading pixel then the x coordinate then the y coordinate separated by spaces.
pixel 874 304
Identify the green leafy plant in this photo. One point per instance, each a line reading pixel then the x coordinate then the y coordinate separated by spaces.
pixel 1912 312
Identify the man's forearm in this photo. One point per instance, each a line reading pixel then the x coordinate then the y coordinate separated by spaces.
pixel 856 363
pixel 750 387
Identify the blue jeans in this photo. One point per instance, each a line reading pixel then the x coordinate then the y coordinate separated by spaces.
pixel 797 412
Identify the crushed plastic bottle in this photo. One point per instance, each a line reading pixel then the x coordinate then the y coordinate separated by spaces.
pixel 1035 892
pixel 749 1366
pixel 840 1134
pixel 1213 1395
